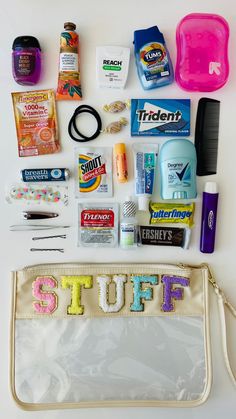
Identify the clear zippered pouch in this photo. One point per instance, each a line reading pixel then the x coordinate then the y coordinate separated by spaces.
pixel 110 335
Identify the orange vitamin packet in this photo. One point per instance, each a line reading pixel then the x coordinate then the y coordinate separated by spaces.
pixel 36 122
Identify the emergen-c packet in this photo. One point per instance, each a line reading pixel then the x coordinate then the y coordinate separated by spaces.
pixel 98 225
pixel 36 122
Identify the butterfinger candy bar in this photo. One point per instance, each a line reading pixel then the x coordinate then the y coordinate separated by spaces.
pixel 162 212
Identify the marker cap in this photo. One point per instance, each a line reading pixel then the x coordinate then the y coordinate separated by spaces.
pixel 211 187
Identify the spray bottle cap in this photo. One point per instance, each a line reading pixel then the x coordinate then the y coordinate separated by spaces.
pixel 129 208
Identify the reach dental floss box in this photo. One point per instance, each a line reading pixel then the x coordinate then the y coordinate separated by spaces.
pixel 112 66
pixel 160 117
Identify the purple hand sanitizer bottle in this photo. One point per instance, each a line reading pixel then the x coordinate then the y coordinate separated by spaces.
pixel 209 212
pixel 26 60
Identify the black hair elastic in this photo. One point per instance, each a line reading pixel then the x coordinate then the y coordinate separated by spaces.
pixel 72 124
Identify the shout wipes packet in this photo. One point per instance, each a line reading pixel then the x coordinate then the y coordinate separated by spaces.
pixel 36 122
pixel 94 172
pixel 98 225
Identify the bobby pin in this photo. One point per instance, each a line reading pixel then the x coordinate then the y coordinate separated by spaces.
pixel 59 236
pixel 33 249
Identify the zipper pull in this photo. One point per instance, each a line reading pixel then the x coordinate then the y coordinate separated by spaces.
pixel 210 276
pixel 188 266
pixel 202 265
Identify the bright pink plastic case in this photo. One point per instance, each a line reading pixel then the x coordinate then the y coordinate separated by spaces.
pixel 202 52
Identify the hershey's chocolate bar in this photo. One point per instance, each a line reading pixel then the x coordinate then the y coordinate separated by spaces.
pixel 164 236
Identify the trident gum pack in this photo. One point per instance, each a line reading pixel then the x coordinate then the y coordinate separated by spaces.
pixel 160 117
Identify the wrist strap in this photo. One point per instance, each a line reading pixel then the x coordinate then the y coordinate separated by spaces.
pixel 223 303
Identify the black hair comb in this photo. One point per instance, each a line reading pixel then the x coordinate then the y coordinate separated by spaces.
pixel 206 136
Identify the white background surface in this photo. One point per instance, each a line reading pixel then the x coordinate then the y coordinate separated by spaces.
pixel 101 23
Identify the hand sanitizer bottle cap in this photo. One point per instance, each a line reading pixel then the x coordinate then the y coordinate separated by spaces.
pixel 129 208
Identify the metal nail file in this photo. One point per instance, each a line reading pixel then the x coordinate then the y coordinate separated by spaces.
pixel 38 215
